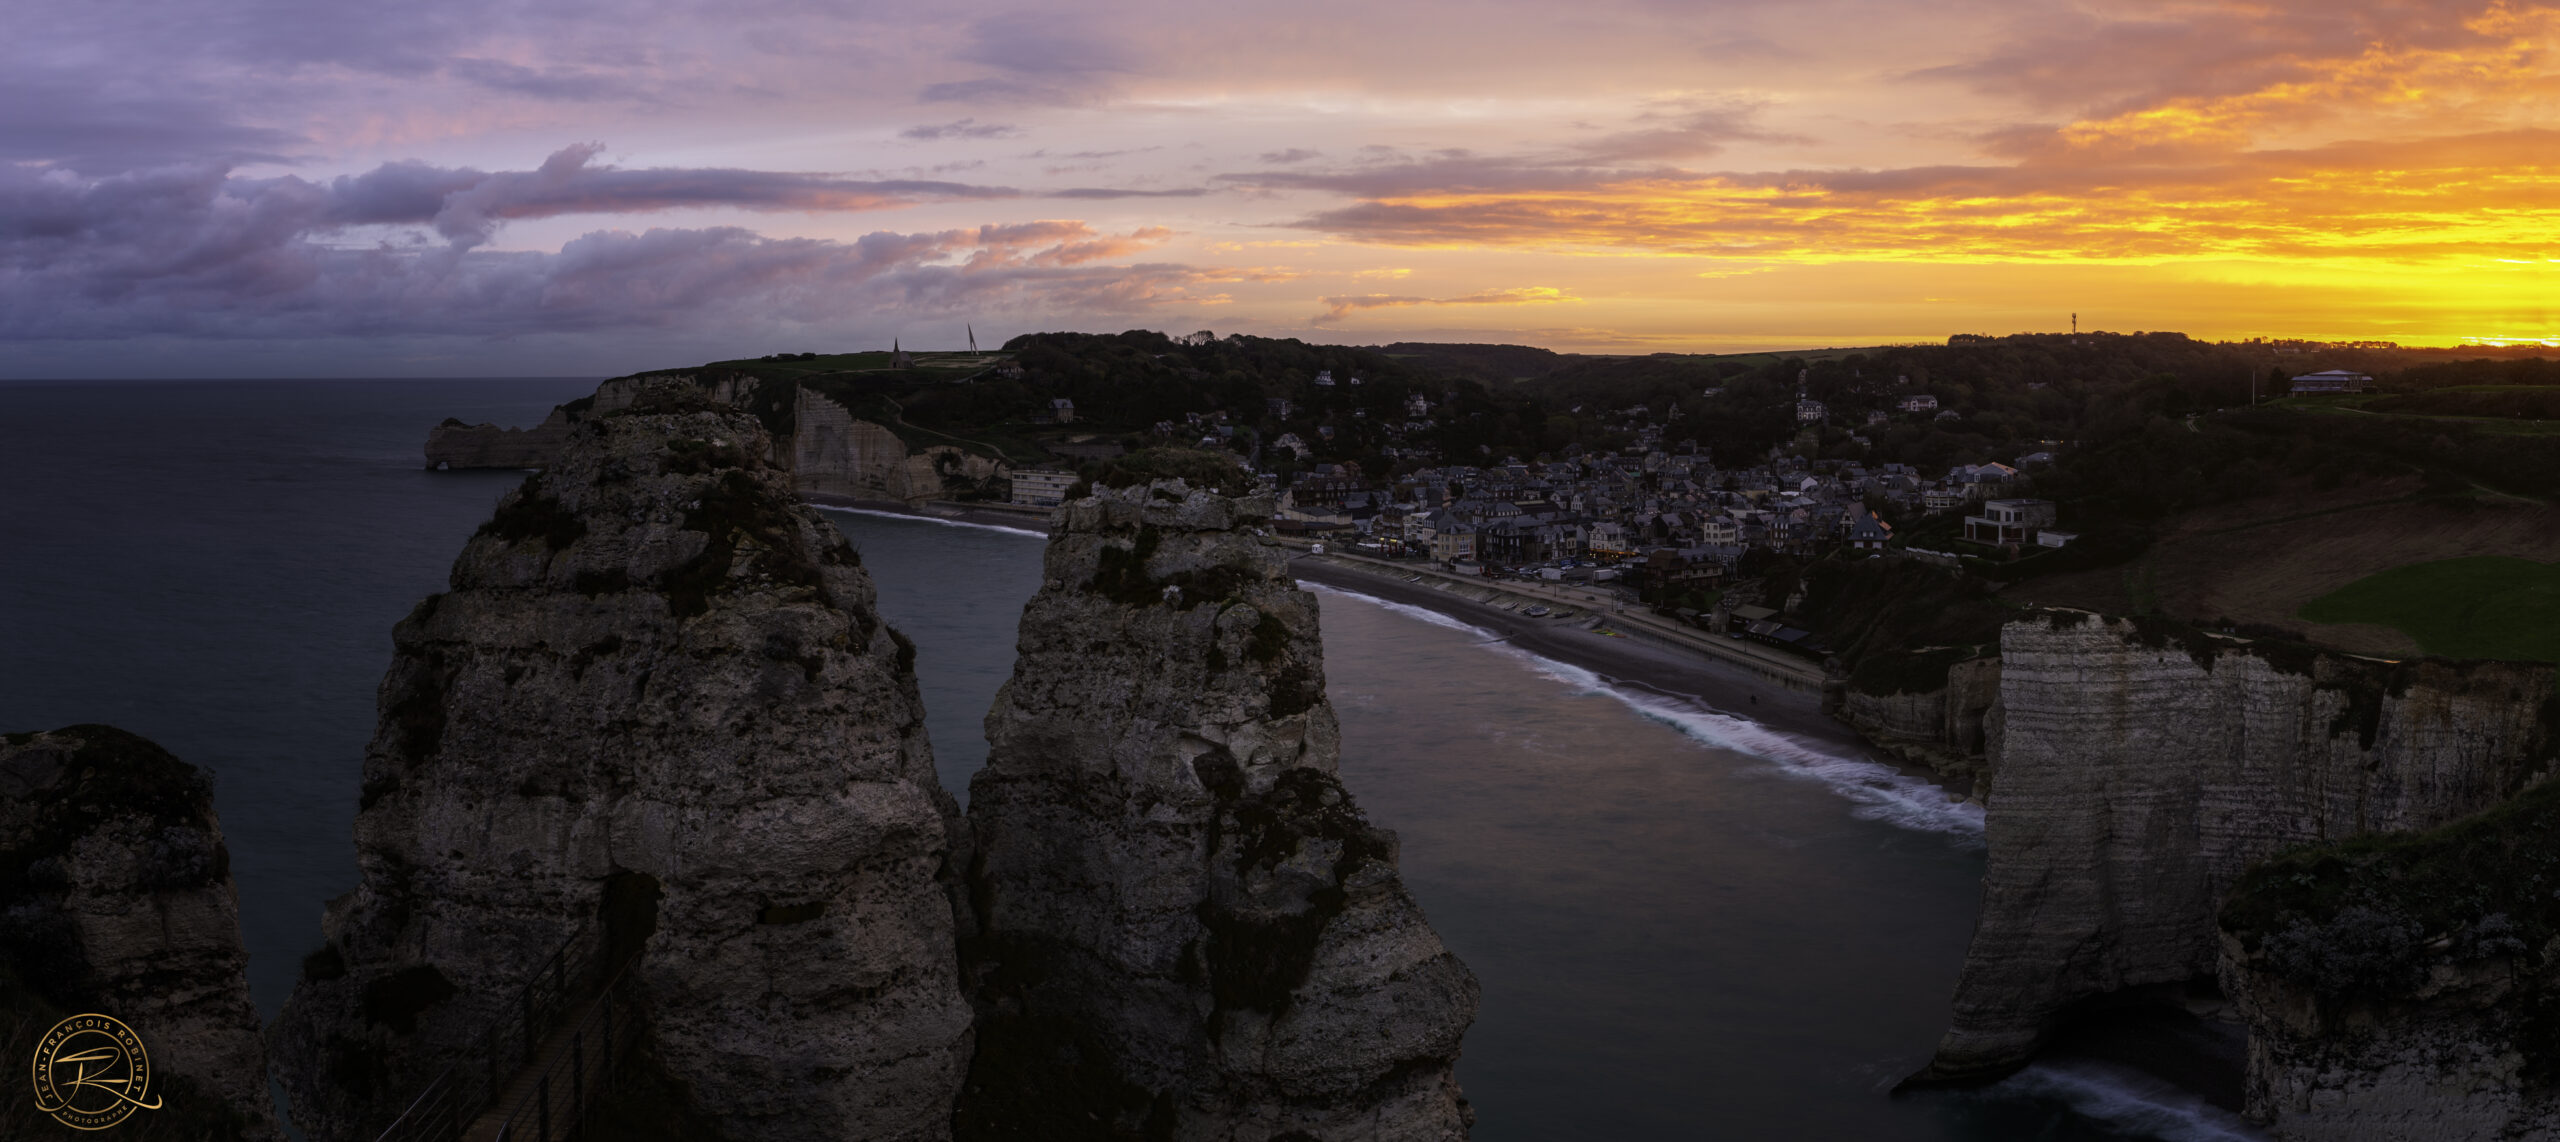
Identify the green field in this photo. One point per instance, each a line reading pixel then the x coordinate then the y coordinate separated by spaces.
pixel 2484 606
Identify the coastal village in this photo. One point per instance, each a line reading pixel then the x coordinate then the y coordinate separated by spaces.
pixel 1659 522
pixel 1716 497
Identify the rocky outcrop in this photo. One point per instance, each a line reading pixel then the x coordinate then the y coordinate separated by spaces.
pixel 2138 769
pixel 454 444
pixel 654 666
pixel 1940 729
pixel 829 451
pixel 1187 929
pixel 116 899
pixel 2405 989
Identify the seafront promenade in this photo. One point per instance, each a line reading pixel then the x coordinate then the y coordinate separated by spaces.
pixel 1573 603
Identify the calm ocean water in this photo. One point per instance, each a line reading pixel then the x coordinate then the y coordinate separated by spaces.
pixel 1686 926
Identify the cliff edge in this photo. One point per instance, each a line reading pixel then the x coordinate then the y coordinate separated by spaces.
pixel 2406 988
pixel 656 675
pixel 826 448
pixel 116 899
pixel 1187 928
pixel 2138 769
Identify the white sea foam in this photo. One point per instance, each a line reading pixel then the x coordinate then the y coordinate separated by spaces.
pixel 2127 1100
pixel 1408 610
pixel 1879 792
pixel 933 519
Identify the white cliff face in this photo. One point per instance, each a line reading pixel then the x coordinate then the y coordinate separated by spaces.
pixel 653 663
pixel 1940 729
pixel 833 454
pixel 1186 928
pixel 829 451
pixel 2137 772
pixel 116 898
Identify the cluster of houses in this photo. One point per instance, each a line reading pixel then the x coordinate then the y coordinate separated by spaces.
pixel 1673 519
pixel 1666 515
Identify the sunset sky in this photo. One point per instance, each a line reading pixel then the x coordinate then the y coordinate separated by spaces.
pixel 314 187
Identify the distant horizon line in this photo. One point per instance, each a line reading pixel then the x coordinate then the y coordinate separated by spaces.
pixel 2486 343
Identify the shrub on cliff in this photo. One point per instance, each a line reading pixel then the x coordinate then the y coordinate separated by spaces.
pixel 2363 918
pixel 1197 467
pixel 1899 624
pixel 2360 949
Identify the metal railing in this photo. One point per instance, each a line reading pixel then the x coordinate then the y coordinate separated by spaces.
pixel 598 1049
pixel 465 1091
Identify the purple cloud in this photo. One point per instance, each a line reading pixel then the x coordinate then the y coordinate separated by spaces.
pixel 564 83
pixel 1046 43
pixel 961 129
pixel 192 252
pixel 1041 58
pixel 1683 131
pixel 1461 174
pixel 2075 60
pixel 71 121
pixel 466 206
pixel 1104 192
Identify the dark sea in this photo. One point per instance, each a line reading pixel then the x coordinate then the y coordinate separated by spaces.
pixel 1687 926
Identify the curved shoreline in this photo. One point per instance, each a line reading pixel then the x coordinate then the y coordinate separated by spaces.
pixel 2108 1080
pixel 1712 686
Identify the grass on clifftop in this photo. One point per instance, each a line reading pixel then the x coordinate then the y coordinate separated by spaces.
pixel 2484 606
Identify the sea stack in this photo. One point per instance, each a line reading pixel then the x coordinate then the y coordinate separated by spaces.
pixel 116 899
pixel 1186 928
pixel 657 677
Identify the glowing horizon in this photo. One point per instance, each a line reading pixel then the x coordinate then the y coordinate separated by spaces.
pixel 470 186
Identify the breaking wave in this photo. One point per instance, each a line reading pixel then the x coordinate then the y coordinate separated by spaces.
pixel 2127 1100
pixel 1879 792
pixel 911 517
pixel 1408 610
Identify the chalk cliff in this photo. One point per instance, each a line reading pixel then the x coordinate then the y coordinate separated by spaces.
pixel 834 453
pixel 2138 769
pixel 116 898
pixel 827 449
pixel 1939 728
pixel 1187 929
pixel 653 665
pixel 2406 988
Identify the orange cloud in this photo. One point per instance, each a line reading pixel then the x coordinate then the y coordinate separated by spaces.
pixel 2484 195
pixel 2242 162
pixel 1337 308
